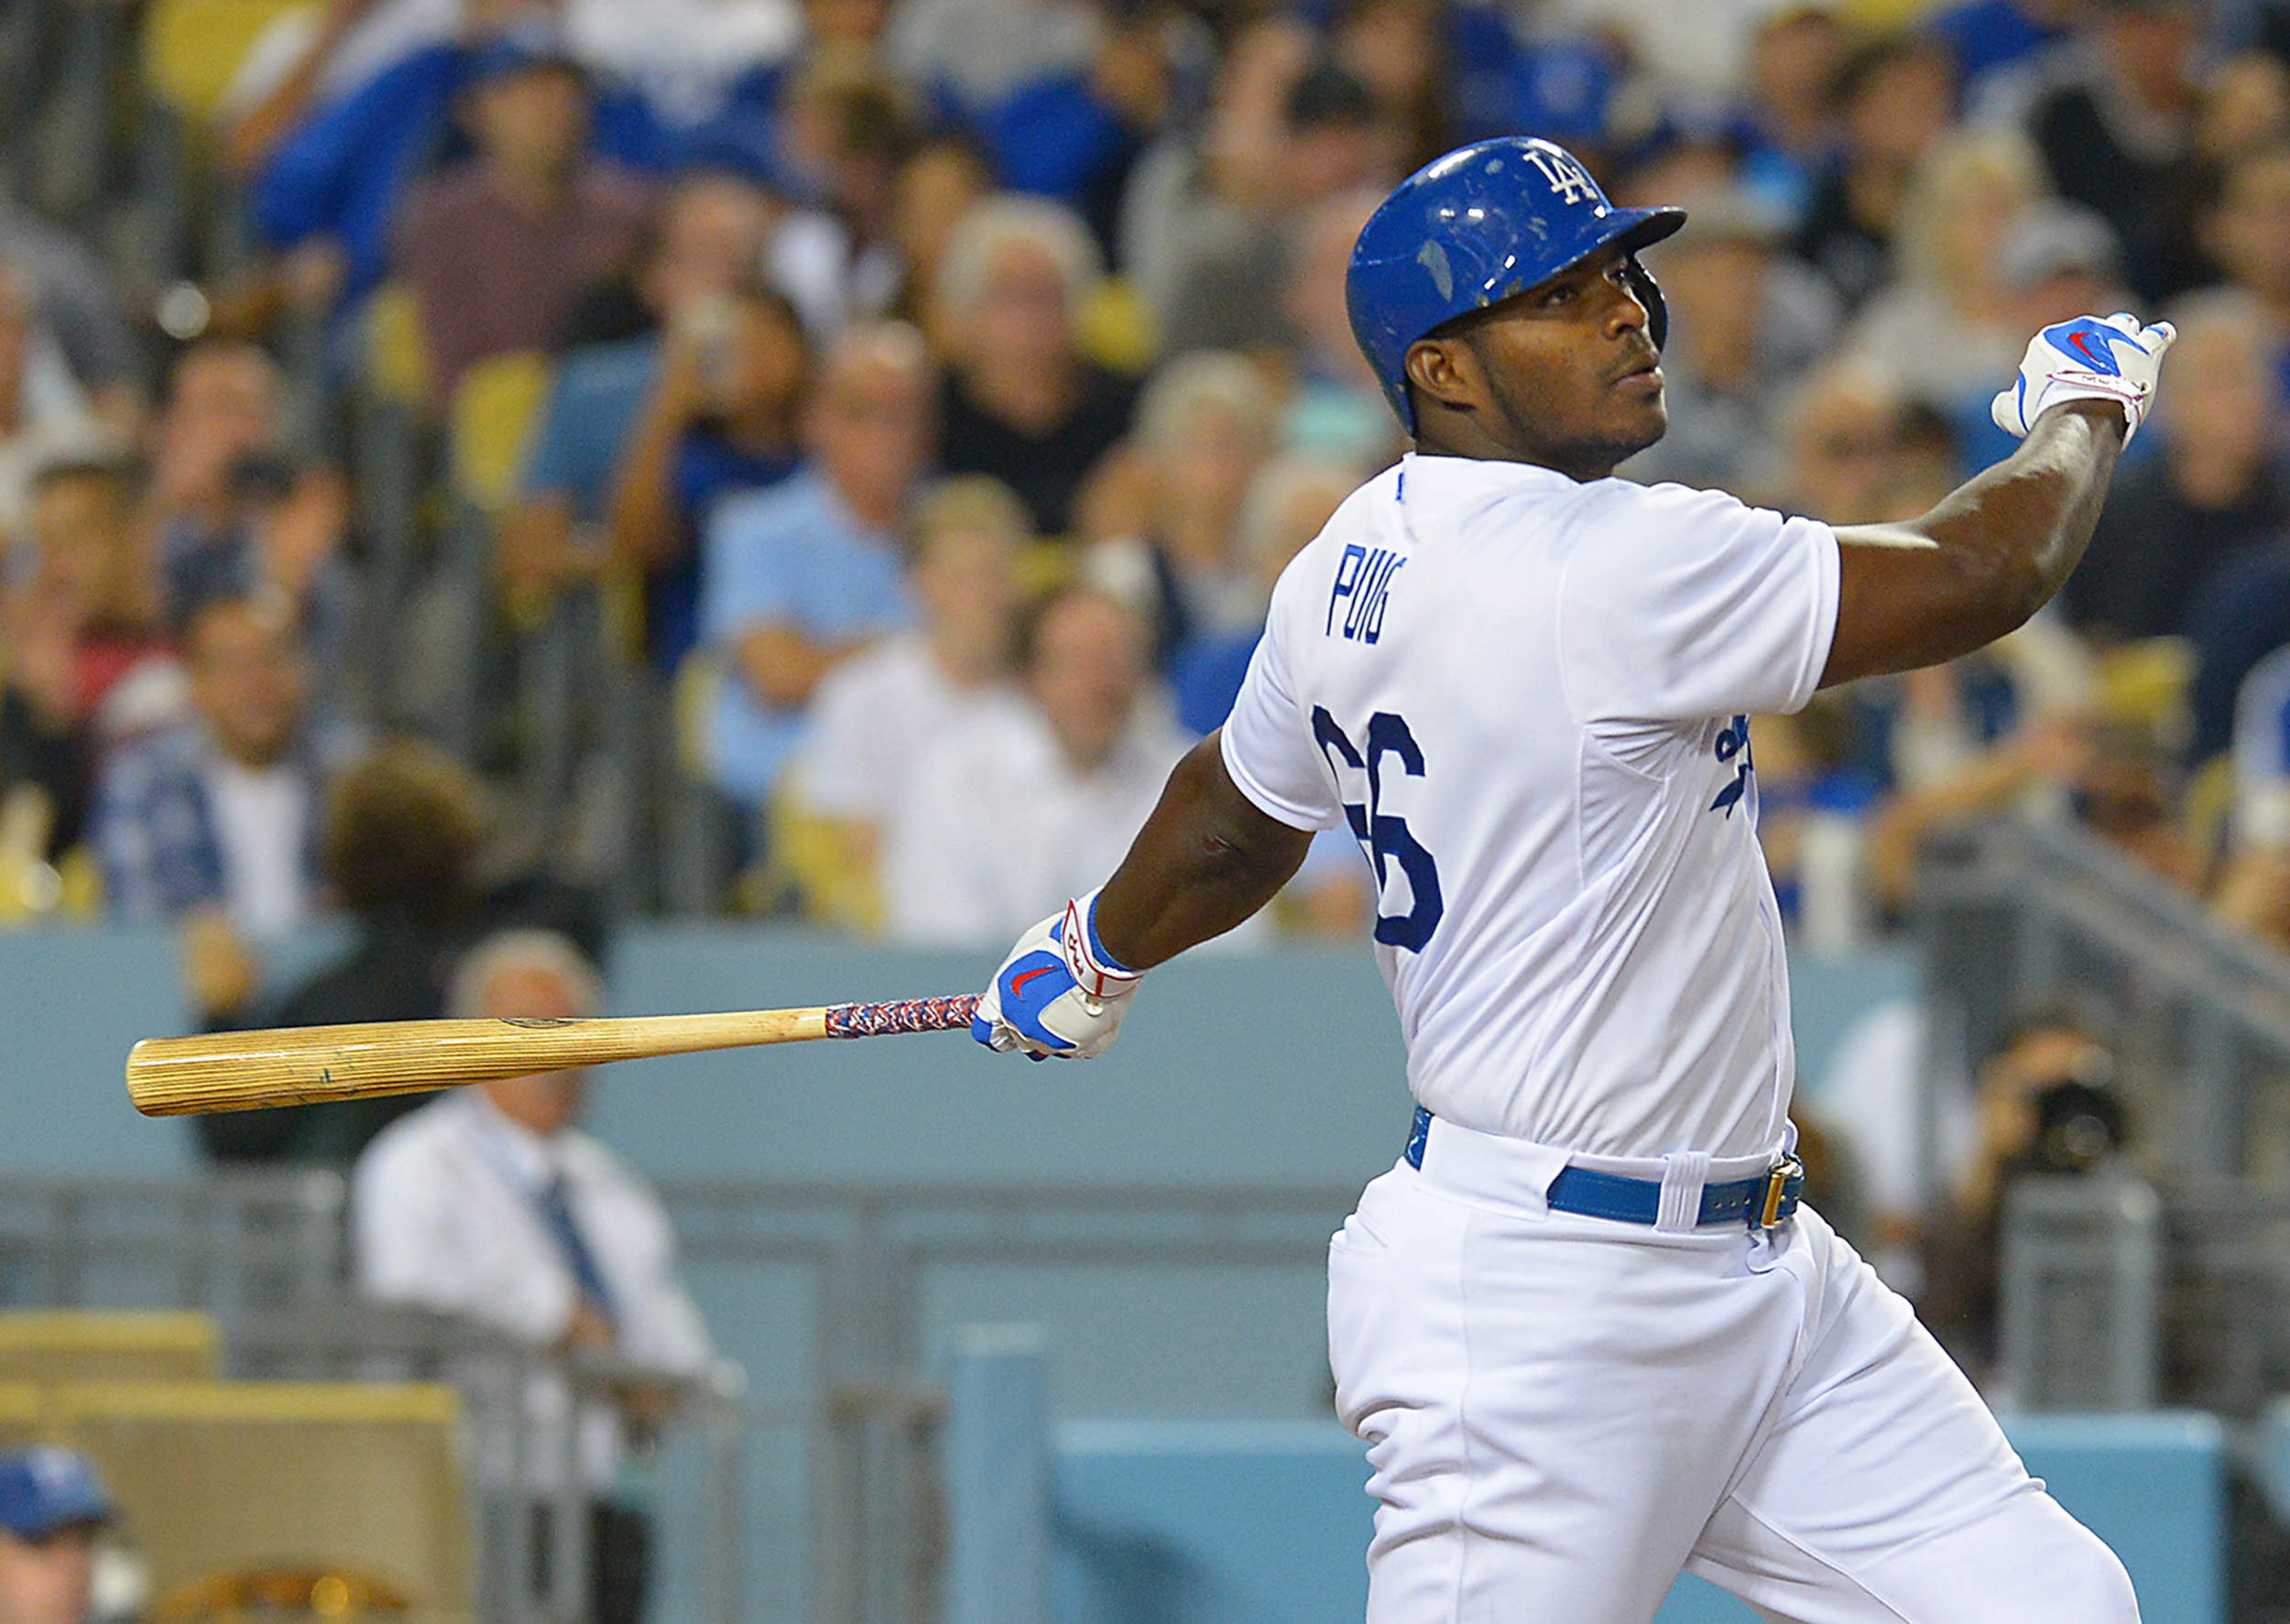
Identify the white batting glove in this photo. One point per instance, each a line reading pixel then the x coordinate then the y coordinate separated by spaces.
pixel 1058 994
pixel 2087 359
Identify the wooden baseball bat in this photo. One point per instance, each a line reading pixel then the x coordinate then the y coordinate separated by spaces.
pixel 308 1065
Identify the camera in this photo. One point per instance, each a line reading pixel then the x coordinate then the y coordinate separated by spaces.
pixel 2078 1122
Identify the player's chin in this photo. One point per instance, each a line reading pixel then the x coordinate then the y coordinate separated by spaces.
pixel 1636 424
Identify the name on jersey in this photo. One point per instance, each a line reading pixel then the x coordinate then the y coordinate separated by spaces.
pixel 1363 583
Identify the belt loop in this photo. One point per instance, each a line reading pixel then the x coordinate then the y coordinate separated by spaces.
pixel 1682 1177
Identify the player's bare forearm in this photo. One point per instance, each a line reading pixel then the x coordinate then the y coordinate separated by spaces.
pixel 1981 563
pixel 1205 860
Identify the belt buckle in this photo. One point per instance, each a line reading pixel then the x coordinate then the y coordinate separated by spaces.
pixel 1778 1179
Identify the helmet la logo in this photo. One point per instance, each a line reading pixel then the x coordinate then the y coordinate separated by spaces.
pixel 1570 183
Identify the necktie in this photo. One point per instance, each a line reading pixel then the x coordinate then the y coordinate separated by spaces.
pixel 556 1211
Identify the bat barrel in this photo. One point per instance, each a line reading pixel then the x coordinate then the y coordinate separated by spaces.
pixel 320 1064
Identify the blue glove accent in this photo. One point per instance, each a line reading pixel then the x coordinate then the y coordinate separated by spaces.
pixel 1027 986
pixel 2093 341
pixel 982 1031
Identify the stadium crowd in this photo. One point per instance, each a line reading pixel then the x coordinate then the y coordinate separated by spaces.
pixel 471 469
pixel 829 458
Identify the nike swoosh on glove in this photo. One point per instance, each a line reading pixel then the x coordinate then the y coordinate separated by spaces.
pixel 2087 359
pixel 1059 995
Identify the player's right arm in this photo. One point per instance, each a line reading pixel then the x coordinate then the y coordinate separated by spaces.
pixel 1995 551
pixel 1211 855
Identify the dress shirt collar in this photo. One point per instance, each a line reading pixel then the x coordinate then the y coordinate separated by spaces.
pixel 516 1150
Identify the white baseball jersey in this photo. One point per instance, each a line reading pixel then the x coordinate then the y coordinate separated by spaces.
pixel 1527 696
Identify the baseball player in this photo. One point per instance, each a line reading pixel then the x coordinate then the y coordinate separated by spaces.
pixel 1587 1332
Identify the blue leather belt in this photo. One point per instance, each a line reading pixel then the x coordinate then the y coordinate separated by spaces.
pixel 1763 1201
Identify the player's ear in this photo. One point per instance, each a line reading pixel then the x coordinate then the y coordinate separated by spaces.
pixel 1444 370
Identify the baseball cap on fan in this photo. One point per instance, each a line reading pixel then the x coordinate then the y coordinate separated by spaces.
pixel 45 1491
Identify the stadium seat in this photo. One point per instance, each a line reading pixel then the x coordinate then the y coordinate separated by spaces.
pixel 193 49
pixel 23 1414
pixel 342 1478
pixel 397 355
pixel 491 423
pixel 278 1593
pixel 48 1347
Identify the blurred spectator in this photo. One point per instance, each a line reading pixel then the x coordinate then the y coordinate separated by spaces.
pixel 942 179
pixel 2056 261
pixel 1745 323
pixel 1945 329
pixel 2047 1107
pixel 1815 795
pixel 973 54
pixel 1008 814
pixel 1896 97
pixel 214 823
pixel 1990 34
pixel 76 298
pixel 1021 404
pixel 2118 133
pixel 1203 429
pixel 52 1504
pixel 874 715
pixel 2111 774
pixel 1074 132
pixel 332 131
pixel 1691 60
pixel 312 57
pixel 498 250
pixel 688 76
pixel 843 133
pixel 230 507
pixel 706 244
pixel 1841 443
pixel 87 663
pixel 800 578
pixel 2218 489
pixel 44 413
pixel 1400 51
pixel 1290 500
pixel 399 851
pixel 2253 893
pixel 1332 138
pixel 2246 108
pixel 492 1204
pixel 720 420
pixel 1790 109
pixel 2248 232
pixel 1336 409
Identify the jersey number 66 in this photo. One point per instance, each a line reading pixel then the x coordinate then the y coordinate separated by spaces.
pixel 1385 838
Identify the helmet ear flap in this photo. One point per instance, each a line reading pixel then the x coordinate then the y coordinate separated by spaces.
pixel 1648 292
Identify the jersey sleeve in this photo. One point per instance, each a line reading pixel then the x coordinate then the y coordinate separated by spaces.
pixel 1678 605
pixel 1267 742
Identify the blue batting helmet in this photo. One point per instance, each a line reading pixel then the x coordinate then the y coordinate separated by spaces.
pixel 1473 228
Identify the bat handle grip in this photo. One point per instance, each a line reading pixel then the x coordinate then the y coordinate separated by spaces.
pixel 907 1015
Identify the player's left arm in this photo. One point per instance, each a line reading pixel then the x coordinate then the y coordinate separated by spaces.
pixel 1206 859
pixel 1995 551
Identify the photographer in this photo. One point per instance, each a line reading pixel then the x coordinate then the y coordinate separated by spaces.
pixel 2047 1107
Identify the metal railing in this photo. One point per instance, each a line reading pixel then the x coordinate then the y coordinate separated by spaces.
pixel 2118 1294
pixel 2013 910
pixel 850 1505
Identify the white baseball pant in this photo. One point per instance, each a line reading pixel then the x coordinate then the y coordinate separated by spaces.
pixel 1563 1413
